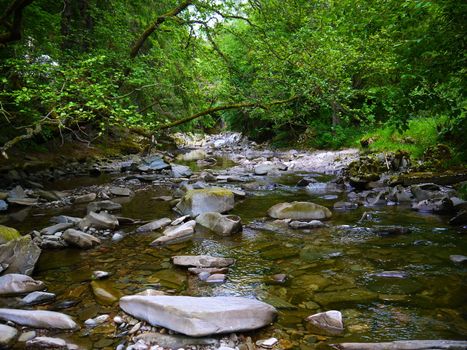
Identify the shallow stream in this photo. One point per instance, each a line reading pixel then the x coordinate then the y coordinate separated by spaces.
pixel 337 267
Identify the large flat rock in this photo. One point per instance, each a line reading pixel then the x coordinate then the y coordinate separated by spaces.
pixel 200 316
pixel 38 318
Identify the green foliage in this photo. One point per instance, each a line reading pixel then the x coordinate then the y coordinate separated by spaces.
pixel 420 134
pixel 354 65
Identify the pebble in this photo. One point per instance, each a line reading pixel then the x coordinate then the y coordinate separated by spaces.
pixel 100 275
pixel 118 320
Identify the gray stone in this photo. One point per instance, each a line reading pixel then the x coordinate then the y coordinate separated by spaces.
pixel 197 154
pixel 176 234
pixel 3 205
pixel 38 298
pixel 224 225
pixel 80 239
pixel 175 341
pixel 120 191
pixel 345 205
pixel 47 343
pixel 102 220
pixel 443 205
pixel 203 261
pixel 17 192
pixel 301 225
pixel 405 345
pixel 20 255
pixel 84 198
pixel 25 336
pixel 156 163
pixel 99 275
pixel 38 318
pixel 56 228
pixel 460 218
pixel 458 259
pixel 214 315
pixel 27 202
pixel 154 225
pixel 299 211
pixel 326 323
pixel 216 278
pixel 7 335
pixel 200 201
pixel 103 205
pixel 264 169
pixel 64 219
pixel 181 171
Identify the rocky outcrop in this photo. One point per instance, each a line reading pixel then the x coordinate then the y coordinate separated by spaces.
pixel 200 201
pixel 200 316
pixel 299 211
pixel 224 225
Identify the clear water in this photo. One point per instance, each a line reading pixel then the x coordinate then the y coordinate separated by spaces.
pixel 328 268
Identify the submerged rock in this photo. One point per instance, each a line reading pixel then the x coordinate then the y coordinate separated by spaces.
pixel 444 205
pixel 38 318
pixel 214 315
pixel 326 323
pixel 20 255
pixel 224 225
pixel 301 225
pixel 299 211
pixel 200 201
pixel 203 261
pixel 104 293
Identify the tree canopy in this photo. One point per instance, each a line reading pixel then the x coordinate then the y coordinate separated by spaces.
pixel 316 70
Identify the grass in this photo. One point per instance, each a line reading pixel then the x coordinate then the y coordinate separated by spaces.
pixel 421 134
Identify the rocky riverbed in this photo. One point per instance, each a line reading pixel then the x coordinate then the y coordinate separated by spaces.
pixel 226 244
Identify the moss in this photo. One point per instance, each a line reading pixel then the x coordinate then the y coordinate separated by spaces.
pixel 8 234
pixel 213 191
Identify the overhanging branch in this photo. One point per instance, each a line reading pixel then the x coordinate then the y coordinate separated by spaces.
pixel 224 108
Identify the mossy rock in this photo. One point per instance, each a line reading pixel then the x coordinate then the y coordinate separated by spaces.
pixel 8 234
